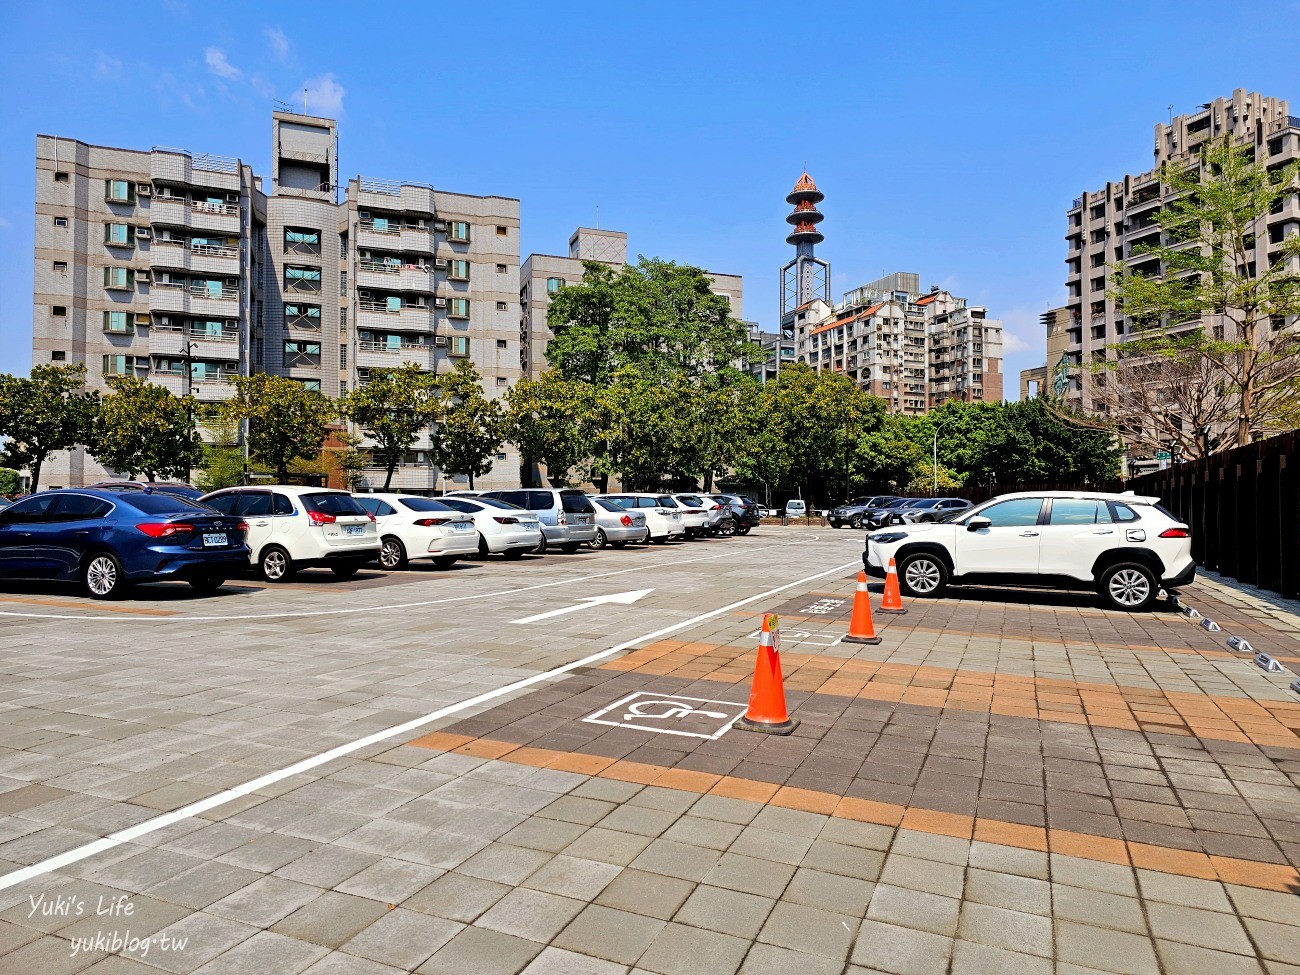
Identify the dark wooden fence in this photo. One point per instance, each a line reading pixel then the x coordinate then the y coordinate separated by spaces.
pixel 1243 506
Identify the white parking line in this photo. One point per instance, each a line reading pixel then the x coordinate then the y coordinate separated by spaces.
pixel 261 782
pixel 348 610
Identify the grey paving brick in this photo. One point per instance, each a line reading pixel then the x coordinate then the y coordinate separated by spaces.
pixel 265 901
pixel 829 892
pixel 1105 948
pixel 550 835
pixel 849 861
pixel 614 935
pixel 928 846
pixel 914 909
pixel 728 911
pixel 970 958
pixel 390 881
pixel 711 833
pixel 726 810
pixel 1280 942
pixel 643 820
pixel 576 809
pixel 504 863
pixel 205 936
pixel 766 959
pixel 532 914
pixel 809 930
pixel 338 963
pixel 573 877
pixel 750 874
pixel 797 822
pixel 610 790
pixel 1109 877
pixel 1187 891
pixel 1193 926
pixel 1000 928
pixel 904 951
pixel 265 952
pixel 557 961
pixel 677 860
pixel 330 919
pixel 1185 959
pixel 766 844
pixel 402 938
pixel 651 894
pixel 1008 859
pixel 933 876
pixel 482 952
pixel 1011 891
pixel 608 845
pixel 680 950
pixel 1267 905
pixel 1098 908
pixel 457 897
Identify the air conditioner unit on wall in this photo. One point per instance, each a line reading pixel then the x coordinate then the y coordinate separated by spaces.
pixel 440 262
pixel 141 233
pixel 439 302
pixel 232 197
pixel 440 340
pixel 144 189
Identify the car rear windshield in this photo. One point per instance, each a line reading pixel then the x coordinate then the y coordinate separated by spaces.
pixel 691 499
pixel 498 503
pixel 1167 513
pixel 576 503
pixel 426 504
pixel 609 505
pixel 667 502
pixel 333 503
pixel 162 504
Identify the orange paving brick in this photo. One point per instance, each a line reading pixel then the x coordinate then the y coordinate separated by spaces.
pixel 1185 863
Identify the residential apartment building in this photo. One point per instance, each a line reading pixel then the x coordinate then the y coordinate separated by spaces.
pixel 1053 376
pixel 186 269
pixel 542 275
pixel 916 351
pixel 1105 227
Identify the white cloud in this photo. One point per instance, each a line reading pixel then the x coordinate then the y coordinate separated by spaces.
pixel 4 224
pixel 219 66
pixel 106 68
pixel 324 95
pixel 1011 342
pixel 279 43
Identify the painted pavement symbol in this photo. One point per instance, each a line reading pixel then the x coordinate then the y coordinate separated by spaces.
pixel 803 636
pixel 669 714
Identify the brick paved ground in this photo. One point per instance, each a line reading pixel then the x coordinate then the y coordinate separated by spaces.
pixel 1009 782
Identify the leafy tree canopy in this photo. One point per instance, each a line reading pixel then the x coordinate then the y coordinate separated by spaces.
pixel 286 421
pixel 47 411
pixel 393 409
pixel 141 428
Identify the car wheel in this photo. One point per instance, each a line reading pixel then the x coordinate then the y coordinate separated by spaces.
pixel 392 554
pixel 445 561
pixel 600 540
pixel 483 549
pixel 742 529
pixel 855 521
pixel 541 547
pixel 617 544
pixel 660 541
pixel 1129 586
pixel 275 564
pixel 103 576
pixel 207 583
pixel 512 554
pixel 923 574
pixel 569 547
pixel 344 571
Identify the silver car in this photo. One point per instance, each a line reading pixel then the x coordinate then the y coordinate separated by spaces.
pixel 616 525
pixel 567 516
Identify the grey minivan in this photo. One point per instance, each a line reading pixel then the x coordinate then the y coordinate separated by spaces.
pixel 567 516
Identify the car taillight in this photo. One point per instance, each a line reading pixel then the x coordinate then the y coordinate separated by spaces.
pixel 166 529
pixel 560 519
pixel 715 507
pixel 320 518
pixel 695 511
pixel 1175 533
pixel 370 516
pixel 432 522
pixel 505 521
pixel 243 527
pixel 626 521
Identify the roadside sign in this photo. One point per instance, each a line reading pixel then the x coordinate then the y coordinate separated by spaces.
pixel 1164 455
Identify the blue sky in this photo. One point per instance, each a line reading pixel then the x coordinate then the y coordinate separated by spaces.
pixel 949 138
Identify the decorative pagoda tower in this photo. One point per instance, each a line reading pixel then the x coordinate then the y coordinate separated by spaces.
pixel 805 277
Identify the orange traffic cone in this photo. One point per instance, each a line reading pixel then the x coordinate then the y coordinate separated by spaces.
pixel 861 627
pixel 893 601
pixel 767 712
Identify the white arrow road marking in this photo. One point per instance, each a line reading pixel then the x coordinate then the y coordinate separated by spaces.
pixel 622 598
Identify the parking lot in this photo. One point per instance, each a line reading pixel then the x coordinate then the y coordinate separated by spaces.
pixel 485 769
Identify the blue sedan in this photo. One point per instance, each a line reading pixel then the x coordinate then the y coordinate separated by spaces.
pixel 111 539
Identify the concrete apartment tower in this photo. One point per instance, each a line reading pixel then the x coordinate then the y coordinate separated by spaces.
pixel 1105 227
pixel 543 275
pixel 186 269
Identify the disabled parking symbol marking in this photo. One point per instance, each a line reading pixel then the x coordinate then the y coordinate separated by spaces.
pixel 669 714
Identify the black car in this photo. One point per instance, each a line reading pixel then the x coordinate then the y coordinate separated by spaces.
pixel 743 511
pixel 852 513
pixel 176 488
pixel 927 510
pixel 880 515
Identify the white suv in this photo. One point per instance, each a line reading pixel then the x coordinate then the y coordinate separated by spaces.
pixel 291 528
pixel 1124 546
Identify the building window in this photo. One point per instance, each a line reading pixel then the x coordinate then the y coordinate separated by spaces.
pixel 119 278
pixel 60 266
pixel 311 385
pixel 502 306
pixel 501 343
pixel 119 191
pixel 302 279
pixel 121 365
pixel 119 234
pixel 458 345
pixel 58 355
pixel 501 269
pixel 59 311
pixel 302 316
pixel 553 285
pixel 458 231
pixel 117 321
pixel 301 353
pixel 60 177
pixel 503 231
pixel 60 221
pixel 299 240
pixel 458 270
pixel 343 356
pixel 502 381
pixel 458 308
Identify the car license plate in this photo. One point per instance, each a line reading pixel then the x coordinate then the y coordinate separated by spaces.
pixel 354 529
pixel 214 539
pixel 461 526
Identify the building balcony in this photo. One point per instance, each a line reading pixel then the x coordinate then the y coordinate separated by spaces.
pixel 212 390
pixel 179 255
pixel 378 316
pixel 169 340
pixel 391 194
pixel 378 355
pixel 409 239
pixel 177 166
pixel 1142 206
pixel 218 217
pixel 188 301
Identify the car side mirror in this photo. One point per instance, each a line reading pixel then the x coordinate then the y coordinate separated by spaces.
pixel 976 523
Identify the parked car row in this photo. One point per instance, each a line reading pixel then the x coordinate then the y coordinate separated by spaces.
pixel 876 511
pixel 117 533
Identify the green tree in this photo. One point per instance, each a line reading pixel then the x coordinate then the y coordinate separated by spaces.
pixel 350 459
pixel 393 409
pixel 286 421
pixel 141 428
pixel 49 410
pixel 924 478
pixel 552 420
pixel 1219 299
pixel 650 430
pixel 222 463
pixel 11 481
pixel 886 459
pixel 471 427
pixel 660 318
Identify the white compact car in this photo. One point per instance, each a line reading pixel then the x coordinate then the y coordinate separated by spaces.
pixel 414 527
pixel 695 513
pixel 663 515
pixel 291 528
pixel 1124 546
pixel 616 525
pixel 503 528
pixel 795 509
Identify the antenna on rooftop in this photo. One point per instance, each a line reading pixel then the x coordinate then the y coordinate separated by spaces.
pixel 597 216
pixel 304 101
pixel 282 105
pixel 1171 114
